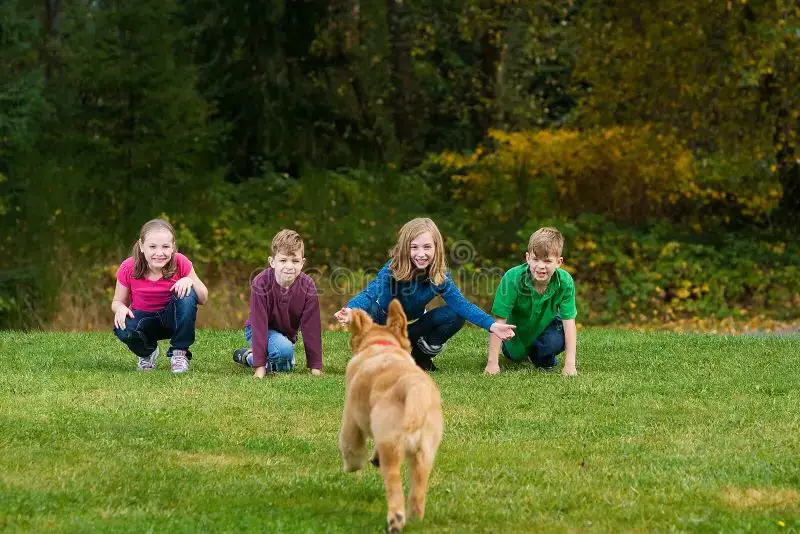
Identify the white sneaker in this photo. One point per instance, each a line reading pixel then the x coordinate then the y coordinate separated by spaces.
pixel 148 363
pixel 179 363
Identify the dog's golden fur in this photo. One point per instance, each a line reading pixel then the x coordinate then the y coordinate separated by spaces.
pixel 396 403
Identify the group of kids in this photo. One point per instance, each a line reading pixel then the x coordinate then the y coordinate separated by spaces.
pixel 158 291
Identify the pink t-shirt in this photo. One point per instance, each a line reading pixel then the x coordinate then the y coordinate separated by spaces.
pixel 148 295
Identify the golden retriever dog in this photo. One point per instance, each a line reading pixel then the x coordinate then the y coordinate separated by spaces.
pixel 391 400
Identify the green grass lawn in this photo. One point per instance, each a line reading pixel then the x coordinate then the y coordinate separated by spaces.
pixel 659 432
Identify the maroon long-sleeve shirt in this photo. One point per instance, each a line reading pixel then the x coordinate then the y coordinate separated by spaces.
pixel 286 310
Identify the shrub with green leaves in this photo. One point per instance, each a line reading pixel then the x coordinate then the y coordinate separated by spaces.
pixel 659 273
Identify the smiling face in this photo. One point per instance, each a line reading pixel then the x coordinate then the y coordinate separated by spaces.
pixel 287 267
pixel 422 250
pixel 158 246
pixel 542 266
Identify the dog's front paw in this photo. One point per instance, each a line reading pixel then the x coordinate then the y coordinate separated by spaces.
pixel 395 522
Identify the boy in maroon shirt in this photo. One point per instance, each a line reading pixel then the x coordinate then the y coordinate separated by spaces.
pixel 283 300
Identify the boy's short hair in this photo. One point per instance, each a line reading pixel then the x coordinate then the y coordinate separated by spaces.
pixel 287 242
pixel 545 241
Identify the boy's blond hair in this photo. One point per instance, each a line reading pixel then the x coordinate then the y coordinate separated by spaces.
pixel 545 241
pixel 402 267
pixel 287 242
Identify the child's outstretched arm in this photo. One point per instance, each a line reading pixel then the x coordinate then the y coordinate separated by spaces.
pixel 570 347
pixel 379 285
pixel 344 315
pixel 464 308
pixel 493 361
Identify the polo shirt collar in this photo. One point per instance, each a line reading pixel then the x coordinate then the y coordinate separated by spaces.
pixel 552 286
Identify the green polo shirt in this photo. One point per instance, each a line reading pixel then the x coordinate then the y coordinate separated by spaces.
pixel 517 301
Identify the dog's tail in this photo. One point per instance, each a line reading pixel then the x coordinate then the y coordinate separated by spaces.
pixel 418 401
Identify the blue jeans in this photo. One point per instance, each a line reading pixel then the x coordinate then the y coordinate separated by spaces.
pixel 547 346
pixel 175 322
pixel 280 351
pixel 434 328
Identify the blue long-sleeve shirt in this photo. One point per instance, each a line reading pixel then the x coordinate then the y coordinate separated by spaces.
pixel 415 294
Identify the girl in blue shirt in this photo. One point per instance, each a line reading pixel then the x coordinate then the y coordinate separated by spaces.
pixel 415 274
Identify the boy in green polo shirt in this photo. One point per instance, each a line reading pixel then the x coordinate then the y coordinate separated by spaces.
pixel 539 298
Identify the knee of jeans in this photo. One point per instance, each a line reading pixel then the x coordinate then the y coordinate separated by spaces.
pixel 282 349
pixel 550 345
pixel 279 343
pixel 376 313
pixel 446 314
pixel 453 319
pixel 122 334
pixel 190 300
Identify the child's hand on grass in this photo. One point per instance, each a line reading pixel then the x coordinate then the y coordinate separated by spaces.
pixel 492 368
pixel 569 371
pixel 260 372
pixel 316 372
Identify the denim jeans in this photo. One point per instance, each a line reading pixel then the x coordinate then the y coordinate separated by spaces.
pixel 435 327
pixel 547 346
pixel 280 351
pixel 175 322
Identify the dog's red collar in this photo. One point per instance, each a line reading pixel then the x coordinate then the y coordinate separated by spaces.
pixel 382 342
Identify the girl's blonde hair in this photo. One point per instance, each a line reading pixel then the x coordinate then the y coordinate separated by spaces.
pixel 402 267
pixel 140 262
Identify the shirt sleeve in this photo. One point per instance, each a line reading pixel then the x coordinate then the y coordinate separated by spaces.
pixel 505 296
pixel 567 307
pixel 124 272
pixel 463 307
pixel 380 285
pixel 259 320
pixel 184 265
pixel 311 328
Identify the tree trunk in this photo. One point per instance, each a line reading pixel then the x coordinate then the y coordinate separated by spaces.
pixel 405 117
pixel 52 8
pixel 490 59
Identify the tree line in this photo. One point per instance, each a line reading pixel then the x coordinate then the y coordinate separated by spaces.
pixel 112 112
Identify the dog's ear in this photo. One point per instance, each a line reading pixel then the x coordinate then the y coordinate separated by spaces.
pixel 398 323
pixel 396 318
pixel 360 322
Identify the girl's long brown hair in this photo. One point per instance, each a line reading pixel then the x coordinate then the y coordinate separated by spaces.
pixel 140 262
pixel 402 267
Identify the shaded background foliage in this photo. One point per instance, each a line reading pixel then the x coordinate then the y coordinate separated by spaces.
pixel 661 137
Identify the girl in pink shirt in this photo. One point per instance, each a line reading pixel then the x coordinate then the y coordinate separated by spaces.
pixel 156 298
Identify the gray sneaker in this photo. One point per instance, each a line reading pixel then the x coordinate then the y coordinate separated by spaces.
pixel 179 363
pixel 148 363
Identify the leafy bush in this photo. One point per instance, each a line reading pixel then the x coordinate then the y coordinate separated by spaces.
pixel 347 218
pixel 657 273
pixel 627 174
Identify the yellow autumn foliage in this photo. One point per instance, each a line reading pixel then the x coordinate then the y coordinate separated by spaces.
pixel 628 173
